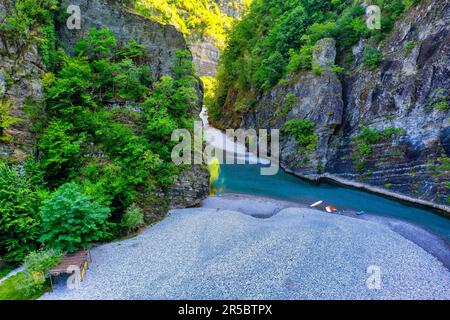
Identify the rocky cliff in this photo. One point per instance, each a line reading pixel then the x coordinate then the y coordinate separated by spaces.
pixel 385 129
pixel 21 70
pixel 205 51
pixel 160 41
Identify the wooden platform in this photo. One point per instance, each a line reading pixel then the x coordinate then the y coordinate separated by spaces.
pixel 76 259
pixel 71 263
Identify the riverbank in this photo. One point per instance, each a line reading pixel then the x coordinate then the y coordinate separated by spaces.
pixel 298 253
pixel 262 207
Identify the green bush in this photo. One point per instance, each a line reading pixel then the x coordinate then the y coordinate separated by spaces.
pixel 19 219
pixel 371 58
pixel 365 141
pixel 133 218
pixel 61 150
pixel 409 47
pixel 441 100
pixel 30 283
pixel 303 130
pixel 6 120
pixel 71 220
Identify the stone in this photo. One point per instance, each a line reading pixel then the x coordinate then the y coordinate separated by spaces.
pixel 189 188
pixel 324 52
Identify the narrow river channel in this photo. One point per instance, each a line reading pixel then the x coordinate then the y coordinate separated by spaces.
pixel 246 179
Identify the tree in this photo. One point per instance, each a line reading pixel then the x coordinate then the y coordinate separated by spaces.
pixel 71 220
pixel 19 220
pixel 61 152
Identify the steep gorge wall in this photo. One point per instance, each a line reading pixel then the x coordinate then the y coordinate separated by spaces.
pixel 161 41
pixel 205 51
pixel 401 93
pixel 21 69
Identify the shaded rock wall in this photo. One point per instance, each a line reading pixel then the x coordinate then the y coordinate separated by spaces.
pixel 21 69
pixel 189 188
pixel 161 41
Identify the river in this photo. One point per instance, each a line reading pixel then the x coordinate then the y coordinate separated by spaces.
pixel 246 179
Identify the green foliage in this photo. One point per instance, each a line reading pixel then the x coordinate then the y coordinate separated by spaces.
pixel 410 45
pixel 303 130
pixel 6 120
pixel 102 149
pixel 337 69
pixel 194 18
pixel 301 60
pixel 441 100
pixel 442 105
pixel 317 68
pixel 169 105
pixel 373 136
pixel 22 286
pixel 42 261
pixel 371 58
pixel 114 154
pixel 210 87
pixel 100 72
pixel 19 219
pixel 30 283
pixel 61 150
pixel 133 219
pixel 99 44
pixel 277 38
pixel 26 22
pixel 5 269
pixel 71 220
pixel 365 141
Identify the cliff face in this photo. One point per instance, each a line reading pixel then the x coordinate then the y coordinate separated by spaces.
pixel 161 41
pixel 409 91
pixel 21 70
pixel 404 93
pixel 205 52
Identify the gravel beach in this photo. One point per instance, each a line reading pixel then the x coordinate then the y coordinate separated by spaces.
pixel 298 253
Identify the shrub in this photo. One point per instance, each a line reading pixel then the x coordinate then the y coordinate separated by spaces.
pixel 371 58
pixel 61 152
pixel 99 43
pixel 26 21
pixel 6 120
pixel 409 47
pixel 71 220
pixel 42 261
pixel 337 69
pixel 30 283
pixel 303 130
pixel 317 68
pixel 19 220
pixel 441 102
pixel 365 141
pixel 133 218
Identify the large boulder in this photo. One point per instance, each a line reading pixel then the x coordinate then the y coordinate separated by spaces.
pixel 189 188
